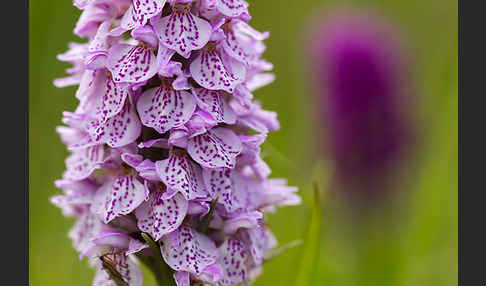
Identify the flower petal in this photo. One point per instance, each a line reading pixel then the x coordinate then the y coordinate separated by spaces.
pixel 164 108
pixel 260 80
pixel 83 162
pixel 91 81
pixel 81 4
pixel 91 17
pixel 182 278
pixel 246 220
pixel 216 148
pixel 140 12
pixel 126 267
pixel 119 196
pixel 179 174
pixel 135 246
pixel 260 240
pixel 160 216
pixel 86 227
pixel 109 101
pixel 146 34
pixel 242 47
pixel 232 8
pixel 182 31
pixel 188 250
pixel 100 41
pixel 212 72
pixel 214 103
pixel 210 275
pixel 117 131
pixel 112 237
pixel 233 258
pixel 131 64
pixel 158 143
pixel 221 183
pixel 259 119
pixel 246 29
pixel 71 205
pixel 243 43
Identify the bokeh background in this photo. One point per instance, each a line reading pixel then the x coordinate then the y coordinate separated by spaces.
pixel 413 244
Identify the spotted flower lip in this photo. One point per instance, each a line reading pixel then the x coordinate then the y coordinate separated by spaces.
pixel 161 154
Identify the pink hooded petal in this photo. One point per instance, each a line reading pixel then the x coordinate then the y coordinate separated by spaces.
pixel 146 169
pixel 163 57
pixel 113 238
pixel 146 34
pixel 216 148
pixel 160 216
pixel 200 123
pixel 198 207
pixel 164 108
pixel 182 31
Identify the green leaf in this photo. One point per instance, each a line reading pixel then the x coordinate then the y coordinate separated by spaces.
pixel 203 227
pixel 163 273
pixel 311 251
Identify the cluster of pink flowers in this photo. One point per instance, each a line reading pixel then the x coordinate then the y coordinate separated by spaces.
pixel 166 141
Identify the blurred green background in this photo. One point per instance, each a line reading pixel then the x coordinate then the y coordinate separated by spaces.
pixel 416 245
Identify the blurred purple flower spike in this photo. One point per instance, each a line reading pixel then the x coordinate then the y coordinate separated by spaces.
pixel 361 78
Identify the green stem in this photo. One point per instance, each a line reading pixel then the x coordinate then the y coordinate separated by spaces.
pixel 203 227
pixel 161 270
